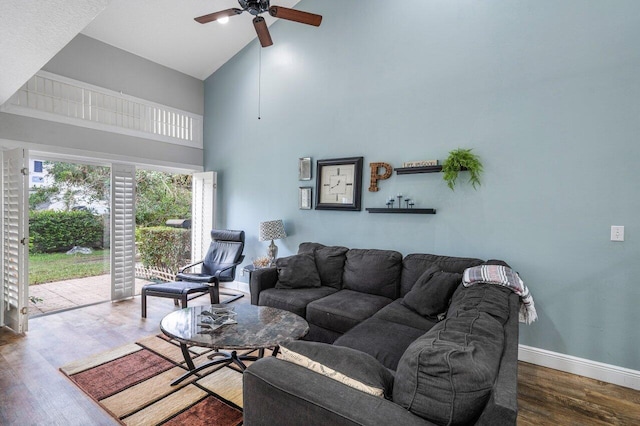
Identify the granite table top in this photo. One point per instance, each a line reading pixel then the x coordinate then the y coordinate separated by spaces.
pixel 257 327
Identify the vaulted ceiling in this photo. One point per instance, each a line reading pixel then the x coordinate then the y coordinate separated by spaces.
pixel 163 31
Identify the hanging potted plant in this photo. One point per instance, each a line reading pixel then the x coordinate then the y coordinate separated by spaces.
pixel 461 159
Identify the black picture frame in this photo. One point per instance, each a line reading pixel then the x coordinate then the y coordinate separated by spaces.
pixel 328 171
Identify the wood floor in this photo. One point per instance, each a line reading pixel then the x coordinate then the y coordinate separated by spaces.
pixel 34 392
pixel 551 397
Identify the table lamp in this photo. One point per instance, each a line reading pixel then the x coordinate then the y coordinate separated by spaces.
pixel 272 230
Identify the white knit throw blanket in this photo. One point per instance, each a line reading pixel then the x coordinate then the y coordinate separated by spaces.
pixel 504 276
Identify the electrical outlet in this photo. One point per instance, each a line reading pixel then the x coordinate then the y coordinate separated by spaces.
pixel 617 233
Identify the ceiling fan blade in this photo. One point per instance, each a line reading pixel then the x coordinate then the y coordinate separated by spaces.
pixel 263 31
pixel 295 15
pixel 217 15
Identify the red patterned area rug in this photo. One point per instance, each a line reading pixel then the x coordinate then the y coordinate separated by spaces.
pixel 133 384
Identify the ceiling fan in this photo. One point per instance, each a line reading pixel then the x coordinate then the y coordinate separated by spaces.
pixel 257 7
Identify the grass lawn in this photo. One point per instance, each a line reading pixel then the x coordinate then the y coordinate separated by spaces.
pixel 50 267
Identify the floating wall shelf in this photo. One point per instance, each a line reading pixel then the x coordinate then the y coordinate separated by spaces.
pixel 392 210
pixel 425 169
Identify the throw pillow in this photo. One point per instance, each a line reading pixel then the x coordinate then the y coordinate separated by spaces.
pixel 373 271
pixel 298 271
pixel 413 265
pixel 431 293
pixel 329 261
pixel 348 366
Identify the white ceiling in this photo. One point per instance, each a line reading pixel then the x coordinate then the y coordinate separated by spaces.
pixel 164 32
pixel 32 32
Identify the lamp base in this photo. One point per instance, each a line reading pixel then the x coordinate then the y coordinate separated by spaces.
pixel 272 253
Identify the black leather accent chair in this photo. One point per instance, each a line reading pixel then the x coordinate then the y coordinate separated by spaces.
pixel 219 265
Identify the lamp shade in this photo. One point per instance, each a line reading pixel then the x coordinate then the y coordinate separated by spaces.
pixel 272 230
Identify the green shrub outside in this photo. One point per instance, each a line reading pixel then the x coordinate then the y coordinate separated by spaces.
pixel 55 231
pixel 164 247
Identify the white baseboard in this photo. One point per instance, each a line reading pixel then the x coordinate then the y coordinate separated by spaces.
pixel 236 285
pixel 583 367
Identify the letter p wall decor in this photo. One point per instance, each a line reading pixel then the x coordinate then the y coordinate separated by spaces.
pixel 375 177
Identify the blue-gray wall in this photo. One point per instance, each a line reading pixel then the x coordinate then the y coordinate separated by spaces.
pixel 547 93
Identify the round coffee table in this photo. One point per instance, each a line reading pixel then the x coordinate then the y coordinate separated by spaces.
pixel 258 327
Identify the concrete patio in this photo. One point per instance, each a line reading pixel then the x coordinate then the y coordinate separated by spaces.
pixel 61 295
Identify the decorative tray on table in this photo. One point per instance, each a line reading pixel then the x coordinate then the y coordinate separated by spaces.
pixel 216 317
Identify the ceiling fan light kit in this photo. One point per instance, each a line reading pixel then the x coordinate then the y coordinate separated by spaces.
pixel 258 7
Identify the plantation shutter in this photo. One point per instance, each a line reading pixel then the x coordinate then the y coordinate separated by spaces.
pixel 15 237
pixel 203 212
pixel 123 226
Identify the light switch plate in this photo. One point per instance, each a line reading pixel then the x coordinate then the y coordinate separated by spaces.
pixel 617 233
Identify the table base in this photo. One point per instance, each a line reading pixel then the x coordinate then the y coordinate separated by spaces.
pixel 227 358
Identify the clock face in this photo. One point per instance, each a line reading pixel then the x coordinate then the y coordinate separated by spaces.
pixel 337 184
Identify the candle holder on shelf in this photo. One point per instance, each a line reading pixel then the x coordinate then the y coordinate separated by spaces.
pixel 390 202
pixel 408 202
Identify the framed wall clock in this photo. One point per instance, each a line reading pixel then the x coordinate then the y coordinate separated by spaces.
pixel 339 184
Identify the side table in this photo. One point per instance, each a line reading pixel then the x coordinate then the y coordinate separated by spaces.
pixel 258 327
pixel 249 269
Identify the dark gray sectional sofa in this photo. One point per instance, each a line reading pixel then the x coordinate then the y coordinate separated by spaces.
pixel 439 352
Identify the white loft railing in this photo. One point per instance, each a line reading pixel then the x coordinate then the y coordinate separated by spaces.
pixel 56 98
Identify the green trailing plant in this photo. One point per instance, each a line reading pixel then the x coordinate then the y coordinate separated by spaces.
pixel 457 160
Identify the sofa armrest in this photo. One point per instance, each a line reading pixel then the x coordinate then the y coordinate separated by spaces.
pixel 502 407
pixel 282 393
pixel 262 279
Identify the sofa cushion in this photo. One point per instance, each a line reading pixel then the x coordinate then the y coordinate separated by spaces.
pixel 398 313
pixel 486 298
pixel 329 261
pixel 373 271
pixel 432 292
pixel 295 300
pixel 348 366
pixel 446 376
pixel 414 265
pixel 344 309
pixel 386 341
pixel 297 271
pixel 321 334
